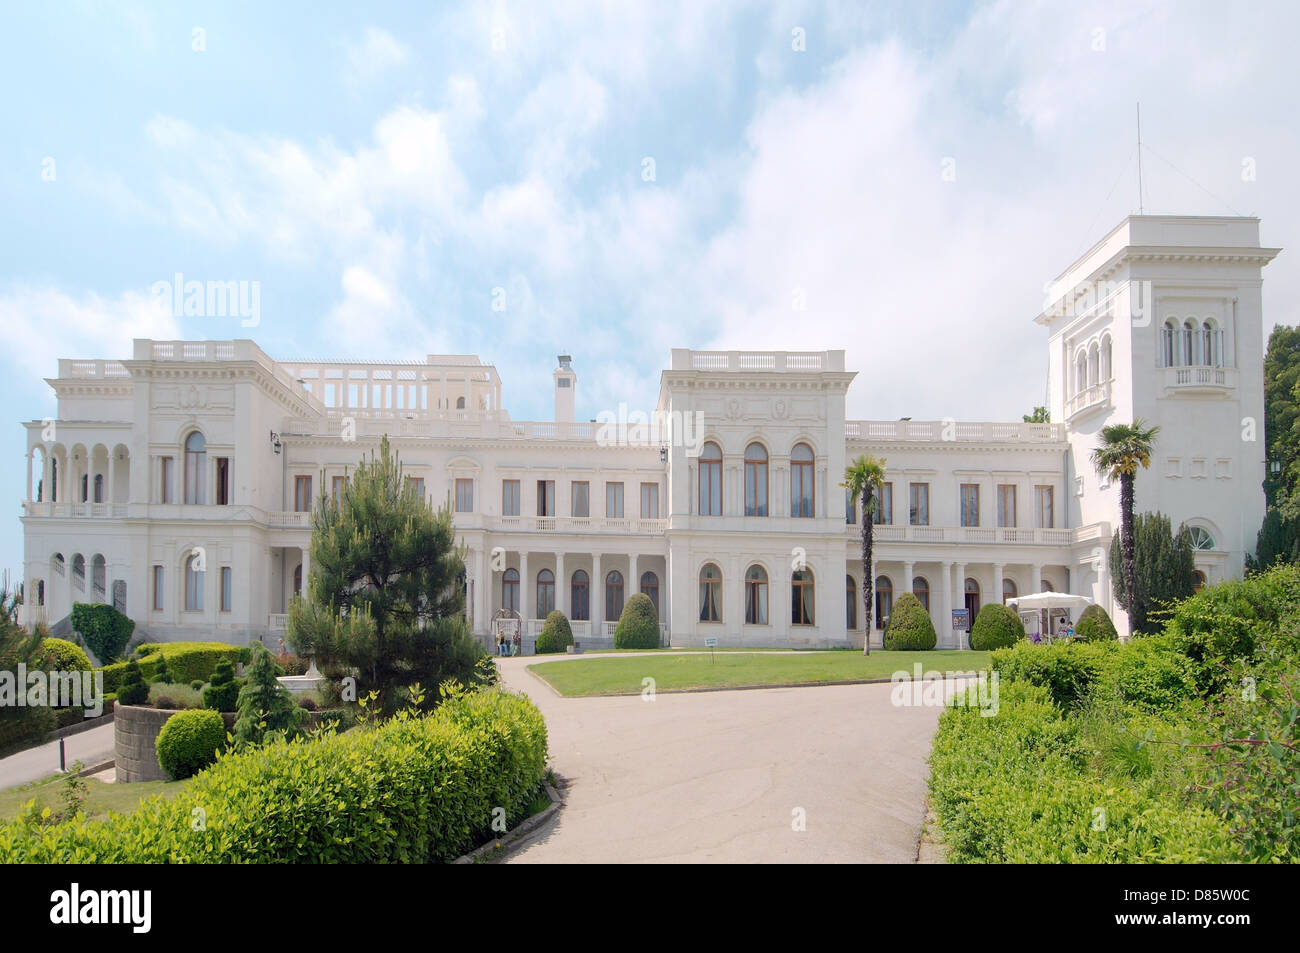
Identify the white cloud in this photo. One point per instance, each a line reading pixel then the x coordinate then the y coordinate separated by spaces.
pixel 377 53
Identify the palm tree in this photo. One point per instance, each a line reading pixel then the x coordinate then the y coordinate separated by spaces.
pixel 1125 447
pixel 862 478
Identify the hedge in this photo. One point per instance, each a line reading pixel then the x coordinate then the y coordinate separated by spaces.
pixel 557 634
pixel 21 726
pixel 1095 625
pixel 638 626
pixel 186 661
pixel 64 656
pixel 909 628
pixel 1066 669
pixel 996 627
pixel 416 789
pixel 189 742
pixel 1015 789
pixel 105 630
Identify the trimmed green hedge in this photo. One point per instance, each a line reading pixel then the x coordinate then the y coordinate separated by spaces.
pixel 1094 625
pixel 909 628
pixel 414 790
pixel 64 656
pixel 189 742
pixel 557 634
pixel 1066 669
pixel 103 628
pixel 186 661
pixel 638 626
pixel 997 626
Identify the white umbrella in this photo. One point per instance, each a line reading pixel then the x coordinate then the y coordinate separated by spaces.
pixel 1050 600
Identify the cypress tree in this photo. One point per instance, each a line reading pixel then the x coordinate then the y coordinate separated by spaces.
pixel 1164 570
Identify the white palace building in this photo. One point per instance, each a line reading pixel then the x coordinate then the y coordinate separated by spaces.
pixel 178 483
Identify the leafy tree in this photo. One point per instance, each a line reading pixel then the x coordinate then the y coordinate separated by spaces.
pixel 1282 414
pixel 1041 415
pixel 1124 448
pixel 1278 541
pixel 265 706
pixel 20 725
pixel 863 478
pixel 1164 570
pixel 386 593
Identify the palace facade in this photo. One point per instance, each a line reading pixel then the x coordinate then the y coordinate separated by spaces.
pixel 178 483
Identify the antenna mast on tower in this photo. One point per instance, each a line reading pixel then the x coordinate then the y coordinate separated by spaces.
pixel 1139 118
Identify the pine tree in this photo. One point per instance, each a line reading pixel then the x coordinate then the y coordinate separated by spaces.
pixel 265 705
pixel 385 598
pixel 1164 570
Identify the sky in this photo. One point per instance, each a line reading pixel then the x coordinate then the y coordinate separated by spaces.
pixel 519 180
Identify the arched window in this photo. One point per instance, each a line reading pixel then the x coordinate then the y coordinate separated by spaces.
pixel 1200 580
pixel 1046 586
pixel 1168 350
pixel 194 583
pixel 650 588
pixel 1009 590
pixel 54 480
pixel 802 496
pixel 99 488
pixel 1105 359
pixel 510 590
pixel 972 593
pixel 710 594
pixel 581 593
pixel 1190 344
pixel 756 595
pixel 79 571
pixel 1081 373
pixel 196 456
pixel 755 480
pixel 1094 365
pixel 545 593
pixel 711 480
pixel 1212 346
pixel 40 592
pixel 460 403
pixel 850 604
pixel 801 597
pixel 921 589
pixel 884 600
pixel 98 575
pixel 1201 538
pixel 613 595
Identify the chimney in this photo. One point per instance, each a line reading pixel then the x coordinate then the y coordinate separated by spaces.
pixel 565 381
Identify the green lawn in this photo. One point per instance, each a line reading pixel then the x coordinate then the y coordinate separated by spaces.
pixel 601 676
pixel 100 797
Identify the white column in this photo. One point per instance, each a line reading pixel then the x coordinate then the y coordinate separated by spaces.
pixel 526 584
pixel 306 568
pixel 1036 582
pixel 945 620
pixel 562 587
pixel 962 639
pixel 634 584
pixel 596 599
pixel 997 581
pixel 483 582
pixel 46 489
pixel 112 479
pixel 29 474
pixel 908 575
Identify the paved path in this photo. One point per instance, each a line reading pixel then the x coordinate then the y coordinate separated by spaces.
pixel 717 776
pixel 89 747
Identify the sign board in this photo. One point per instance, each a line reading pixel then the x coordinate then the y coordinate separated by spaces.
pixel 960 620
pixel 710 643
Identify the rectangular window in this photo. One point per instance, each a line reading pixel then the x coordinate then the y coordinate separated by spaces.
pixel 227 579
pixel 509 497
pixel 167 467
pixel 223 481
pixel 970 504
pixel 1006 505
pixel 464 496
pixel 1044 506
pixel 302 494
pixel 650 501
pixel 417 484
pixel 580 498
pixel 336 488
pixel 545 497
pixel 918 504
pixel 614 501
pixel 157 587
pixel 885 504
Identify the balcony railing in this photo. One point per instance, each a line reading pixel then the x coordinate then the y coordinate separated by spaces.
pixel 1207 379
pixel 1087 399
pixel 907 533
pixel 576 524
pixel 947 431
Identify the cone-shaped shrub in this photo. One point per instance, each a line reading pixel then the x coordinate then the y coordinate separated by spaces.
pixel 638 626
pixel 1095 626
pixel 556 634
pixel 996 627
pixel 909 628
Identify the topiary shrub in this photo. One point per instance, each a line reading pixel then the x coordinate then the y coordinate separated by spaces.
pixel 638 626
pixel 64 656
pixel 161 674
pixel 133 690
pixel 996 627
pixel 105 630
pixel 222 693
pixel 909 628
pixel 189 742
pixel 1094 625
pixel 556 634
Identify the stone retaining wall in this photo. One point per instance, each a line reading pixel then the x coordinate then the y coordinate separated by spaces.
pixel 135 741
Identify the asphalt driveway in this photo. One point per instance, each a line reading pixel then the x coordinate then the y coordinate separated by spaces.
pixel 730 776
